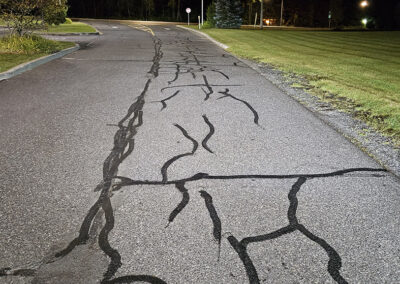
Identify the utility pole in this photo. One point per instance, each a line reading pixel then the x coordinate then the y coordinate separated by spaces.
pixel 280 22
pixel 202 12
pixel 261 14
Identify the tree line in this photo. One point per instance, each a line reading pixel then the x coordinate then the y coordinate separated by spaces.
pixel 312 13
pixel 168 10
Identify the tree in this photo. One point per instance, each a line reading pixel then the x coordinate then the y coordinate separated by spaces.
pixel 172 5
pixel 178 11
pixel 336 6
pixel 211 15
pixel 54 11
pixel 22 16
pixel 149 8
pixel 228 14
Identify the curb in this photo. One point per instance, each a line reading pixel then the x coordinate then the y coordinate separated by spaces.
pixel 206 36
pixel 70 34
pixel 35 63
pixel 374 144
pixel 97 32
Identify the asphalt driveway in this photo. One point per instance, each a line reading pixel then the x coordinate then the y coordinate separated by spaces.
pixel 152 155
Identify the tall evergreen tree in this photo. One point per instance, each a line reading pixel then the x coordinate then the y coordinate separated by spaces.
pixel 228 14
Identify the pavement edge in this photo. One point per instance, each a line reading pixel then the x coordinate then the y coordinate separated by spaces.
pixel 224 46
pixel 373 143
pixel 35 63
pixel 72 34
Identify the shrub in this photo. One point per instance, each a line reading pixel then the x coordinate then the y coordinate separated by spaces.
pixel 68 21
pixel 54 11
pixel 23 16
pixel 28 44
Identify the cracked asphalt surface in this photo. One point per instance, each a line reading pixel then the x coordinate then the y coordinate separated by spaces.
pixel 151 155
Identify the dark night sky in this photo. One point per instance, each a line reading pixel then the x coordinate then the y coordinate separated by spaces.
pixel 384 13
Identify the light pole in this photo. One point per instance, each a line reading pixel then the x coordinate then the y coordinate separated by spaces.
pixel 261 14
pixel 202 12
pixel 280 22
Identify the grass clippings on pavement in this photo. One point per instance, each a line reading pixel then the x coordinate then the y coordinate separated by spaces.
pixel 358 72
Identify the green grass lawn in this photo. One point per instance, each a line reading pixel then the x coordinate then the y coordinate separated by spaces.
pixel 361 69
pixel 75 27
pixel 15 51
pixel 10 60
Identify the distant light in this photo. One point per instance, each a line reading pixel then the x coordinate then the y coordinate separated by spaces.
pixel 364 21
pixel 267 21
pixel 364 4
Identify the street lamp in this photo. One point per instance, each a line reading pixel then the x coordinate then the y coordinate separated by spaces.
pixel 280 22
pixel 364 4
pixel 364 21
pixel 261 14
pixel 202 12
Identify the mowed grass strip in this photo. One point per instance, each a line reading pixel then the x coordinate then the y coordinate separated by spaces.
pixel 74 27
pixel 15 50
pixel 68 27
pixel 360 69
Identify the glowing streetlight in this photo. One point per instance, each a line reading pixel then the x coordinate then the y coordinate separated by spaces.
pixel 364 21
pixel 364 4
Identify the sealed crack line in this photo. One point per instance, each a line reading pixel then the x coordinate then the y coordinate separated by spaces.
pixel 167 164
pixel 334 263
pixel 227 94
pixel 209 135
pixel 214 217
pixel 163 102
pixel 185 200
pixel 123 147
pixel 125 181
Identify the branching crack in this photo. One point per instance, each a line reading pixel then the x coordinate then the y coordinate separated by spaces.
pixel 227 94
pixel 167 164
pixel 163 102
